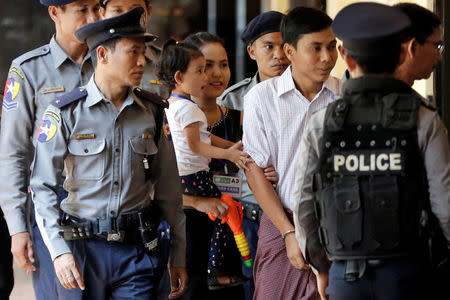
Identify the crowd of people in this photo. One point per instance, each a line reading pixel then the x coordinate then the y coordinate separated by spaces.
pixel 117 158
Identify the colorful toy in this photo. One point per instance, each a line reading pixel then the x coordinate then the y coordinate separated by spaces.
pixel 234 219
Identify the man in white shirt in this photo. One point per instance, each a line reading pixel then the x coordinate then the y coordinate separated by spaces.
pixel 276 112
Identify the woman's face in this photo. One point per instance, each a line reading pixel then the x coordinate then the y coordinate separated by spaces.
pixel 217 69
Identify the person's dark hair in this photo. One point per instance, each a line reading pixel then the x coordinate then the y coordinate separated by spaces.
pixel 423 21
pixel 302 20
pixel 385 61
pixel 110 44
pixel 147 3
pixel 202 38
pixel 175 57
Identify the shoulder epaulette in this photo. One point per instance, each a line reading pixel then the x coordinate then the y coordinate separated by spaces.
pixel 31 54
pixel 152 97
pixel 75 95
pixel 237 85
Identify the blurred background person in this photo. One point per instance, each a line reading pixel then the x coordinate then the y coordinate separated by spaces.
pixel 149 82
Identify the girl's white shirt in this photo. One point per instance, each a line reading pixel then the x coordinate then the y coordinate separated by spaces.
pixel 181 113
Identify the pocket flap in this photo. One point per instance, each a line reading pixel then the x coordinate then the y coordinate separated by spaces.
pixel 86 147
pixel 143 146
pixel 347 195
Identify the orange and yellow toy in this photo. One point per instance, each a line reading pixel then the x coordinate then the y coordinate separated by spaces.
pixel 234 219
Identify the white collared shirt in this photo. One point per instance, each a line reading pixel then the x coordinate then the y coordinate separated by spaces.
pixel 274 120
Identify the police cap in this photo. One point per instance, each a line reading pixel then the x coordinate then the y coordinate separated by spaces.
pixel 129 24
pixel 260 25
pixel 56 2
pixel 369 28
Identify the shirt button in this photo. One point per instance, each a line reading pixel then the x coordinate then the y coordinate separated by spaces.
pixel 112 213
pixel 86 150
pixel 117 150
pixel 116 183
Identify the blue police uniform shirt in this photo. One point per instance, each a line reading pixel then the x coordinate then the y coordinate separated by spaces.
pixel 102 150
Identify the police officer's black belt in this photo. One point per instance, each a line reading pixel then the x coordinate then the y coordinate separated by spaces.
pixel 252 211
pixel 110 228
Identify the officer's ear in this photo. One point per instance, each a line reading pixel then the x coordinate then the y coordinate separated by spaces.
pixel 251 51
pixel 410 47
pixel 349 61
pixel 53 13
pixel 102 55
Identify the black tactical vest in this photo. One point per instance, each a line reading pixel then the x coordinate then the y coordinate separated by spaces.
pixel 370 185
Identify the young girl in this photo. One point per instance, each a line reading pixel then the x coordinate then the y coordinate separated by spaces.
pixel 182 68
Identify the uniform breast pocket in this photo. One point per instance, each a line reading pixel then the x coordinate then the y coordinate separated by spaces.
pixel 88 159
pixel 141 149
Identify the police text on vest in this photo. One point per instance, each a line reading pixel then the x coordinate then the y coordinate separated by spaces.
pixel 367 162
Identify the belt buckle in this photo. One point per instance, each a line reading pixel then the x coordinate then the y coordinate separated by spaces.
pixel 116 236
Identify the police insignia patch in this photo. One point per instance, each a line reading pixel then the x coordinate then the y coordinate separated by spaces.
pixel 12 88
pixel 46 131
pixel 166 130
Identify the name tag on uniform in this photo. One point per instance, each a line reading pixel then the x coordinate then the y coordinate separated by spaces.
pixel 231 185
pixel 53 89
pixel 86 136
pixel 367 162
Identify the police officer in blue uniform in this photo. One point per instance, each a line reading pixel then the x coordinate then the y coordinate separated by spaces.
pixel 34 79
pixel 108 137
pixel 375 170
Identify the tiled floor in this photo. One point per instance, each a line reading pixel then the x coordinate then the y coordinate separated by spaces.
pixel 23 288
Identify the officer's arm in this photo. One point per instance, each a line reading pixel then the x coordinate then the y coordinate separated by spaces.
pixel 16 148
pixel 433 141
pixel 305 220
pixel 51 149
pixel 168 193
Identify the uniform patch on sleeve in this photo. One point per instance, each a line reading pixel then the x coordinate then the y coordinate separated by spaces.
pixel 12 88
pixel 166 129
pixel 46 131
